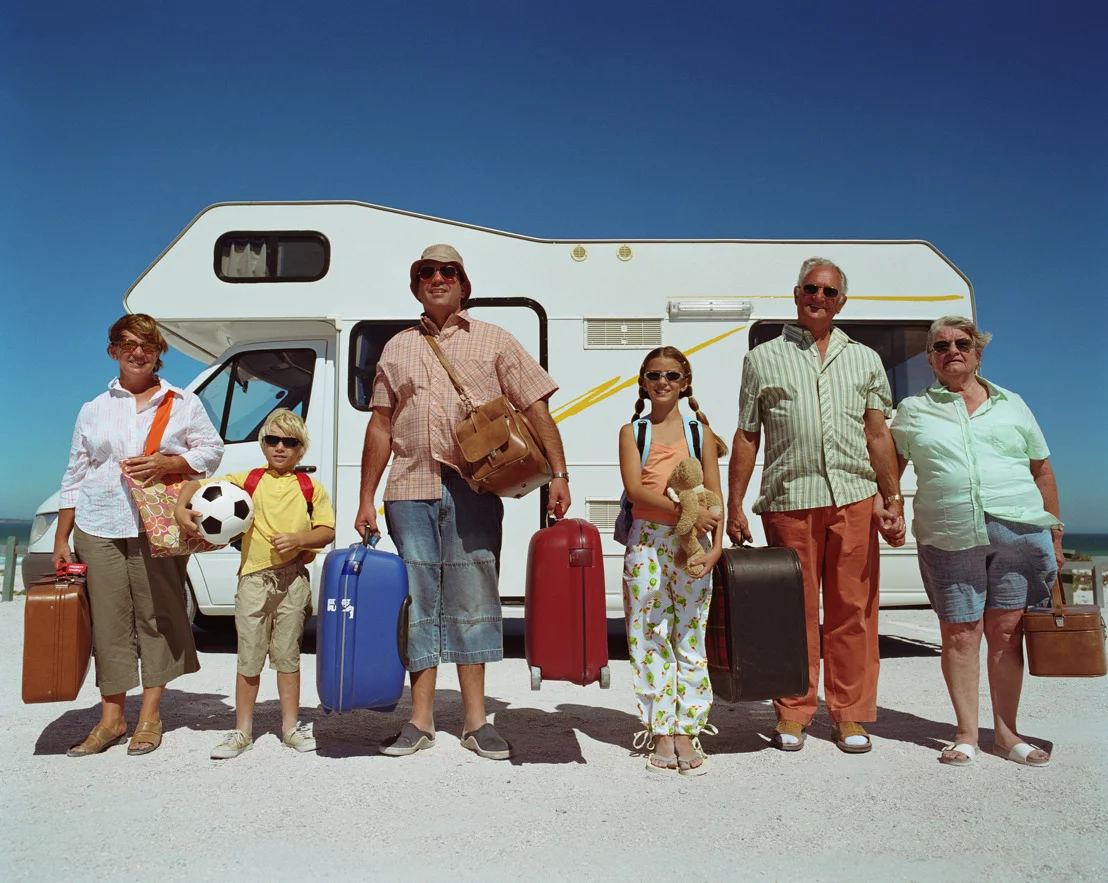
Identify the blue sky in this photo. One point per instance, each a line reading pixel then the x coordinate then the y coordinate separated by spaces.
pixel 978 126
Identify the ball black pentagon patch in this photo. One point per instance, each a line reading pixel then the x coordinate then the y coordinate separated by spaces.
pixel 212 492
pixel 242 509
pixel 211 526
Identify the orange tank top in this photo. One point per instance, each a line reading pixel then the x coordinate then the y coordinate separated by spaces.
pixel 660 462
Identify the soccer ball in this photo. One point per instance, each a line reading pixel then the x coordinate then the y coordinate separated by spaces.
pixel 226 511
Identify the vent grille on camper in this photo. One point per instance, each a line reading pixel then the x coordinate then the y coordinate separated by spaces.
pixel 602 513
pixel 642 334
pixel 624 253
pixel 579 252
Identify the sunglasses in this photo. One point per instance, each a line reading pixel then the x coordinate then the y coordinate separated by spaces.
pixel 447 272
pixel 964 345
pixel 126 346
pixel 274 440
pixel 828 291
pixel 671 376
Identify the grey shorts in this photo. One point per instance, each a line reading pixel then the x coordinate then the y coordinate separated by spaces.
pixel 452 551
pixel 1015 571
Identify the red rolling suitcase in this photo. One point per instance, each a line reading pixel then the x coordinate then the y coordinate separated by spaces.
pixel 565 616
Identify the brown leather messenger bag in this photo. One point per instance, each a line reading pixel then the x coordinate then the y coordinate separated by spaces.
pixel 502 449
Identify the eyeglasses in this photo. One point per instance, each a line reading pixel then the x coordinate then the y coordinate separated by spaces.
pixel 671 376
pixel 126 346
pixel 828 291
pixel 448 272
pixel 964 345
pixel 273 440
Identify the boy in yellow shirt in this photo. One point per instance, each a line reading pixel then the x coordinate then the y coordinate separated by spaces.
pixel 274 596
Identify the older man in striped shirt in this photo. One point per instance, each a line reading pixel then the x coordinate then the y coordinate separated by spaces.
pixel 822 400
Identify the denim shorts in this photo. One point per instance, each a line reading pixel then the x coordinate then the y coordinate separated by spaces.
pixel 452 551
pixel 1016 570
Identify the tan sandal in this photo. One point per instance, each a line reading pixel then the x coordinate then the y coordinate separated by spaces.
pixel 789 728
pixel 98 740
pixel 843 730
pixel 148 736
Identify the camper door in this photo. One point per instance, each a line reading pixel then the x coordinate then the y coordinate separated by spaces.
pixel 239 394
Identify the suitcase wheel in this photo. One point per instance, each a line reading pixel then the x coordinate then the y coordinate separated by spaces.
pixel 605 678
pixel 536 677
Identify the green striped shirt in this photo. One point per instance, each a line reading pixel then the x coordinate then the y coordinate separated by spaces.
pixel 811 412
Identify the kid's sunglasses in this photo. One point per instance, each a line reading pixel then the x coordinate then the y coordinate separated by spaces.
pixel 273 440
pixel 964 345
pixel 447 272
pixel 671 376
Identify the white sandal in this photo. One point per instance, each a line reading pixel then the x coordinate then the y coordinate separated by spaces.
pixel 965 748
pixel 1020 754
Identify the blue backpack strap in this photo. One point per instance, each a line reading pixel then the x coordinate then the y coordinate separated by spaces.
pixel 692 438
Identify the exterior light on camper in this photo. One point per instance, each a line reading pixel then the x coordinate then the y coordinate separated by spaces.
pixel 725 308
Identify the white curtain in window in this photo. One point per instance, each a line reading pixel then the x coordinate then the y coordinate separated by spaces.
pixel 244 258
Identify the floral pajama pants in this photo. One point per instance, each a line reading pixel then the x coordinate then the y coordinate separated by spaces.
pixel 667 611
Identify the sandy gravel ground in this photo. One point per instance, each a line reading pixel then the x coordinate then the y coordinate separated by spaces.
pixel 574 804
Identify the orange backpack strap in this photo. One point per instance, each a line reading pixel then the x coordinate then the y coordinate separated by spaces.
pixel 157 429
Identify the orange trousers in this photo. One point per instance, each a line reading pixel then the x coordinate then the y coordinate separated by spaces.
pixel 837 546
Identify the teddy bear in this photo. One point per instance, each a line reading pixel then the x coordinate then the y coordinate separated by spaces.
pixel 685 486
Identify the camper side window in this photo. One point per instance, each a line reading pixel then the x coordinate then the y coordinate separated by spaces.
pixel 367 340
pixel 902 347
pixel 294 256
pixel 251 385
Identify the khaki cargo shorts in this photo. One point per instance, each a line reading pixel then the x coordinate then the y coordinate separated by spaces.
pixel 271 607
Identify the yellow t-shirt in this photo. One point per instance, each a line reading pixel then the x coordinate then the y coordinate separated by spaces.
pixel 279 507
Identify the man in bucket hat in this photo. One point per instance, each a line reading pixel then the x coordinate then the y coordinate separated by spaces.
pixel 447 532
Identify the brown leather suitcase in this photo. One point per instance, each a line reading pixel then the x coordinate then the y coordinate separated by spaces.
pixel 57 637
pixel 756 633
pixel 1065 640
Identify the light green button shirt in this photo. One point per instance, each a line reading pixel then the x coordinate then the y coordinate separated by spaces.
pixel 812 413
pixel 969 465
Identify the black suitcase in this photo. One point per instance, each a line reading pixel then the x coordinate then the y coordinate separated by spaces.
pixel 757 645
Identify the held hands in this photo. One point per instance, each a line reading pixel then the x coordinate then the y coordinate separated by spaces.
pixel 890 523
pixel 738 528
pixel 146 469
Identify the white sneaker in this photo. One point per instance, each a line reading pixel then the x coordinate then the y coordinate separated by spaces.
pixel 233 744
pixel 300 737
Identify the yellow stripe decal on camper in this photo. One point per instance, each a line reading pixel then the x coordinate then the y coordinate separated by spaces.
pixel 612 386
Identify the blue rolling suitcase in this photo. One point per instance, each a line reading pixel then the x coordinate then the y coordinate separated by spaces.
pixel 362 638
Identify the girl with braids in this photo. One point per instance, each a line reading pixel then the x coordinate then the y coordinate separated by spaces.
pixel 666 607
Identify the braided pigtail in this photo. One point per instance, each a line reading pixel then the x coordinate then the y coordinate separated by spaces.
pixel 639 404
pixel 721 446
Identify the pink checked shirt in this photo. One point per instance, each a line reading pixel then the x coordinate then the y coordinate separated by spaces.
pixel 110 429
pixel 425 406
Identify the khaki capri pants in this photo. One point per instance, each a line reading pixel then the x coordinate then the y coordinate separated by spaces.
pixel 138 612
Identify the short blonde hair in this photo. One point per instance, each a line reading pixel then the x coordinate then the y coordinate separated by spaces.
pixel 144 327
pixel 285 423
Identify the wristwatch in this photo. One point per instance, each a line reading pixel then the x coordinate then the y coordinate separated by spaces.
pixel 894 498
pixel 564 475
pixel 1061 528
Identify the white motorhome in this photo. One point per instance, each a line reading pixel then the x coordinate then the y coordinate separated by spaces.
pixel 290 305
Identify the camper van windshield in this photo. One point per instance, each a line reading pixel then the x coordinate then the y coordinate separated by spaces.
pixel 251 385
pixel 902 347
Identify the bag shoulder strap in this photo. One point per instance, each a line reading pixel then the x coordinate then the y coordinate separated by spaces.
pixel 437 350
pixel 157 428
pixel 306 489
pixel 692 439
pixel 302 479
pixel 252 479
pixel 642 439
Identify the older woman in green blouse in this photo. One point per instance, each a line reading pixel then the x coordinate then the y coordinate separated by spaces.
pixel 986 526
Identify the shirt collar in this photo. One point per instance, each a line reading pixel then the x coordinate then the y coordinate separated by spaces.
pixel 460 319
pixel 164 386
pixel 805 339
pixel 938 391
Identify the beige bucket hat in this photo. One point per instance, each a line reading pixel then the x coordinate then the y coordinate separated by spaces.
pixel 444 254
